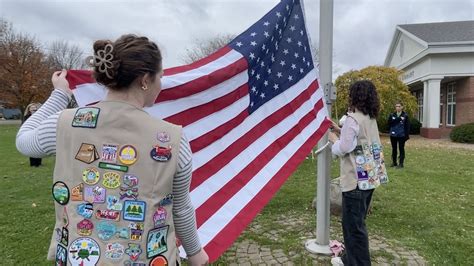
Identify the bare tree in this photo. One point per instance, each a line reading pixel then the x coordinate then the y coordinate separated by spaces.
pixel 62 55
pixel 206 47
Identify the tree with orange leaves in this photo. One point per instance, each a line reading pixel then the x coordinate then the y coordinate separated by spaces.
pixel 24 70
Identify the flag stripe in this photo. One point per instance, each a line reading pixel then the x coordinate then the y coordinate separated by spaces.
pixel 234 206
pixel 205 82
pixel 173 107
pixel 227 235
pixel 246 155
pixel 193 114
pixel 213 203
pixel 219 53
pixel 202 157
pixel 202 173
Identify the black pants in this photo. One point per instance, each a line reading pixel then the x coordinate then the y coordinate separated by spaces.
pixel 356 239
pixel 401 144
pixel 35 162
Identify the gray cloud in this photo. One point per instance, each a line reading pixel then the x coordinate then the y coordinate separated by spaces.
pixel 363 29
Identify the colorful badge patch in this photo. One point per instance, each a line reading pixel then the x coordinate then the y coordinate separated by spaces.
pixel 133 263
pixel 60 193
pixel 94 194
pixel 136 231
pixel 107 215
pixel 111 166
pixel 362 175
pixel 133 251
pixel 85 210
pixel 90 176
pixel 123 233
pixel 128 155
pixel 106 230
pixel 64 236
pixel 87 153
pixel 84 228
pixel 159 217
pixel 86 117
pixel 113 203
pixel 129 189
pixel 160 154
pixel 167 200
pixel 111 180
pixel 163 137
pixel 159 261
pixel 77 193
pixel 61 255
pixel 84 251
pixel 114 251
pixel 157 241
pixel 109 153
pixel 134 210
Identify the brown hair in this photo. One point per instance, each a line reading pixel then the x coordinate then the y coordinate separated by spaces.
pixel 132 57
pixel 363 96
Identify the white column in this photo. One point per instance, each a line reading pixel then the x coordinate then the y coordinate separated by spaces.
pixel 424 121
pixel 432 103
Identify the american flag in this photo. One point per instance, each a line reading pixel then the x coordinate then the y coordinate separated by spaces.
pixel 252 111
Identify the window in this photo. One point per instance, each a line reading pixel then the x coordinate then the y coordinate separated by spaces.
pixel 441 108
pixel 419 98
pixel 451 104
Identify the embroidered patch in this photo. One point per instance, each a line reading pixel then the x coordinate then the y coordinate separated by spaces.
pixel 133 263
pixel 163 137
pixel 87 153
pixel 129 188
pixel 166 200
pixel 114 251
pixel 159 261
pixel 106 230
pixel 113 203
pixel 123 233
pixel 77 193
pixel 130 180
pixel 64 236
pixel 84 228
pixel 157 241
pixel 60 193
pixel 94 194
pixel 160 154
pixel 86 117
pixel 128 155
pixel 111 166
pixel 84 251
pixel 85 210
pixel 159 217
pixel 133 251
pixel 134 210
pixel 65 217
pixel 90 176
pixel 61 255
pixel 136 231
pixel 109 153
pixel 111 180
pixel 107 215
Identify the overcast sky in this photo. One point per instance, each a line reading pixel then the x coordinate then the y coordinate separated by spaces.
pixel 363 29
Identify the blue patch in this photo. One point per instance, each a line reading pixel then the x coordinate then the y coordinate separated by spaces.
pixel 134 210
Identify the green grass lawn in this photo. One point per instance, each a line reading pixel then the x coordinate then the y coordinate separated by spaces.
pixel 428 206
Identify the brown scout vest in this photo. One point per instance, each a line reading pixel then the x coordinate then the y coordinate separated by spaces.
pixel 369 150
pixel 111 232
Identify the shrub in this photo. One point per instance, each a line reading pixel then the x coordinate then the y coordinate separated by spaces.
pixel 463 133
pixel 415 126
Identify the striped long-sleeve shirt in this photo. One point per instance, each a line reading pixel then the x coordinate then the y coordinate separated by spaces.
pixel 37 138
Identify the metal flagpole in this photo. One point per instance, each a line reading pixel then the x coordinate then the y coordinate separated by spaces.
pixel 320 245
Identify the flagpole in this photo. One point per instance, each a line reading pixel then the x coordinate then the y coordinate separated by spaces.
pixel 320 245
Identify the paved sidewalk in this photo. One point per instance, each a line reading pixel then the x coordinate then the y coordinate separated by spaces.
pixel 248 252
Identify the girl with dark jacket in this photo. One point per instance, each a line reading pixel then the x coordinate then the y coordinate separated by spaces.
pixel 399 133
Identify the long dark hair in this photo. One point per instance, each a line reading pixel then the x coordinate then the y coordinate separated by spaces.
pixel 363 96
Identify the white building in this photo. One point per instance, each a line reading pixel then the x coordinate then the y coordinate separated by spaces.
pixel 438 64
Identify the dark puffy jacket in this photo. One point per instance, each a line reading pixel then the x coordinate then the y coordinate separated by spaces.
pixel 399 125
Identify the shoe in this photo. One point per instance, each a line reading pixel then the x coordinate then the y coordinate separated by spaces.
pixel 393 165
pixel 400 166
pixel 337 261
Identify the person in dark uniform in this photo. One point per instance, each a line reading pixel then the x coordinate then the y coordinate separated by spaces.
pixel 399 133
